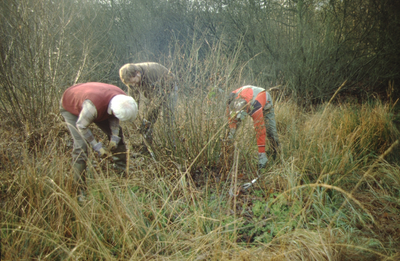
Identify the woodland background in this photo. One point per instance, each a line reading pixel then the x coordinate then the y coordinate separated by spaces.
pixel 332 194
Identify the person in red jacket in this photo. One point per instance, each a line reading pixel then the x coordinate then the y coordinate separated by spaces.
pixel 256 102
pixel 102 104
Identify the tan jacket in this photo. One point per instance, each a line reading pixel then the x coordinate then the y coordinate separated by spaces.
pixel 156 84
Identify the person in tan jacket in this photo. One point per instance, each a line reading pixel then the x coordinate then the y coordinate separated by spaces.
pixel 156 83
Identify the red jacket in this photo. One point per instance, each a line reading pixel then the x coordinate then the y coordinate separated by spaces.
pixel 98 93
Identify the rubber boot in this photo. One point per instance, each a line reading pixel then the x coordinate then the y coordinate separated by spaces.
pixel 80 179
pixel 275 149
pixel 262 160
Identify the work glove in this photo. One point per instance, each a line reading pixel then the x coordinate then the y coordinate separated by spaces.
pixel 231 134
pixel 145 126
pixel 262 160
pixel 112 145
pixel 101 152
pixel 241 115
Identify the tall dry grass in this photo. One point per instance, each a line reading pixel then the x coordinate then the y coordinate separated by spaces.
pixel 332 194
pixel 166 211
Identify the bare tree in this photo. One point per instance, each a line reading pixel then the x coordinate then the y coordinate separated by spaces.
pixel 47 46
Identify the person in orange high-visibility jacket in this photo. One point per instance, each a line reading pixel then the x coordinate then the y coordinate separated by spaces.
pixel 256 102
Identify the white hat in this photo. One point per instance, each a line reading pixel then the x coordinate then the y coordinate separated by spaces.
pixel 124 107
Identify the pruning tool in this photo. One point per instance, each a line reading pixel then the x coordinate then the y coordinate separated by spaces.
pixel 243 187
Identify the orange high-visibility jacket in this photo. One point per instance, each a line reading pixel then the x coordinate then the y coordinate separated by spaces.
pixel 256 99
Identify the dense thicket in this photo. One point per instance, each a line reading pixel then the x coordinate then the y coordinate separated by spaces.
pixel 310 46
